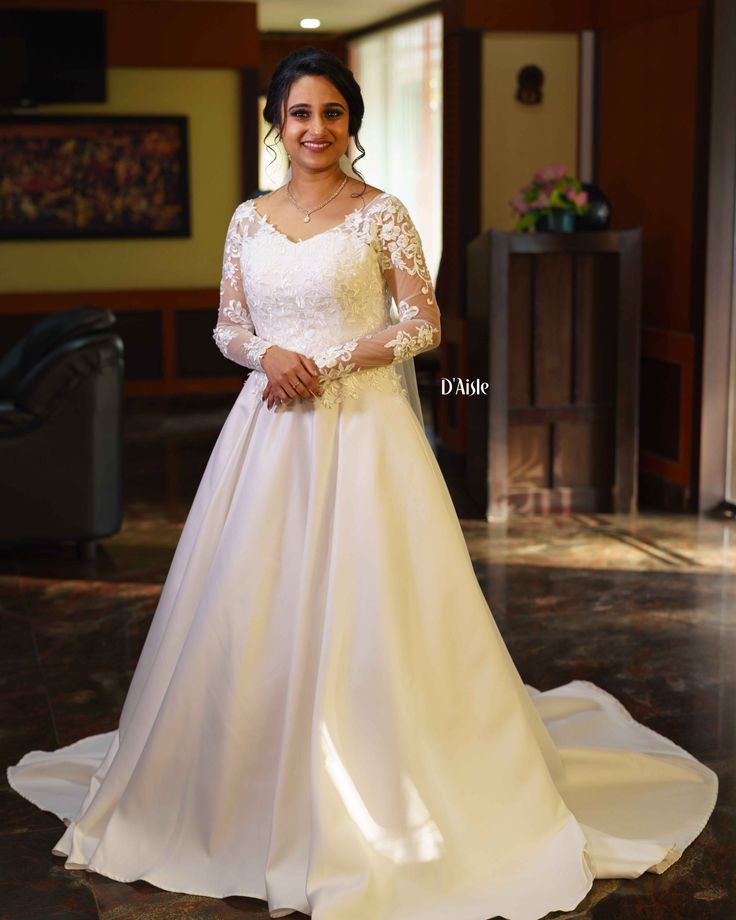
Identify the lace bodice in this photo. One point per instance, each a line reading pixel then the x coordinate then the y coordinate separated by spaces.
pixel 328 296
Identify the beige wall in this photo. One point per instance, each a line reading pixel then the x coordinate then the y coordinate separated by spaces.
pixel 517 139
pixel 210 98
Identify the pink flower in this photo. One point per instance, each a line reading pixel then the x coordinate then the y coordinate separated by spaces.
pixel 578 198
pixel 542 200
pixel 550 173
pixel 519 204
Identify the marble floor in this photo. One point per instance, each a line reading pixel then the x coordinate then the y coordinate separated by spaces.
pixel 644 606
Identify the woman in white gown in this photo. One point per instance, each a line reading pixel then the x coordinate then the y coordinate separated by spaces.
pixel 324 714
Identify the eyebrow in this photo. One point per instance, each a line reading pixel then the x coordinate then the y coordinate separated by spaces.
pixel 306 105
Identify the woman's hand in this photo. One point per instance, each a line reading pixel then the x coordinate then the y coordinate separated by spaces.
pixel 291 375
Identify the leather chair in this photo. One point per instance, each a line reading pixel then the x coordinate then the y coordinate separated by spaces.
pixel 61 400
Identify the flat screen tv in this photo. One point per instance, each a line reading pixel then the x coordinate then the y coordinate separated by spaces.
pixel 51 56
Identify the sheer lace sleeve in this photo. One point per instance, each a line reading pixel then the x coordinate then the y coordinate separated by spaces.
pixel 405 271
pixel 234 333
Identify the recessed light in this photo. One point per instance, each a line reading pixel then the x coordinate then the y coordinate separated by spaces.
pixel 310 23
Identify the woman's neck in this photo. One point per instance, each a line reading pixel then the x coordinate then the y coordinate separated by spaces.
pixel 312 187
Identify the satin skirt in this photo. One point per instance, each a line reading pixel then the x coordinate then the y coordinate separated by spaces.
pixel 325 715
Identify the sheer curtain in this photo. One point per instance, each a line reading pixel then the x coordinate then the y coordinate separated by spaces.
pixel 400 74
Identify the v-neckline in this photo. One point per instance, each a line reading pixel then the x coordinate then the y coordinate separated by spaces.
pixel 337 226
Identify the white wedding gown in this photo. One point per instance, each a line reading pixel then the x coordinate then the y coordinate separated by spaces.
pixel 324 714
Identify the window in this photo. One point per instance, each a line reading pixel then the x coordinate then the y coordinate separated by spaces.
pixel 400 75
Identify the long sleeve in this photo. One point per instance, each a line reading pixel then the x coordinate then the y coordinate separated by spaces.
pixel 234 333
pixel 405 271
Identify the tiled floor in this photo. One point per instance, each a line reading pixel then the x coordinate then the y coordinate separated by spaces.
pixel 645 607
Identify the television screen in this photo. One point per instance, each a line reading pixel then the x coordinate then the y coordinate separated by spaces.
pixel 52 56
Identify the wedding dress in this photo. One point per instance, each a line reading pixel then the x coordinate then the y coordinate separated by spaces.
pixel 324 714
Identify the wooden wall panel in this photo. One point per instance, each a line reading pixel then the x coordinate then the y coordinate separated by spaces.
pixel 171 33
pixel 460 215
pixel 646 154
pixel 520 15
pixel 653 105
pixel 176 34
pixel 150 324
pixel 621 107
pixel 672 351
pixel 560 16
pixel 275 46
pixel 616 12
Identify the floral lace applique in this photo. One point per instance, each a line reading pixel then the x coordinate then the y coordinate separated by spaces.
pixel 234 333
pixel 395 239
pixel 334 287
pixel 334 354
pixel 335 390
pixel 405 311
pixel 405 344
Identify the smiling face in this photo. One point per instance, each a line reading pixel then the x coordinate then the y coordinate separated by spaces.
pixel 315 132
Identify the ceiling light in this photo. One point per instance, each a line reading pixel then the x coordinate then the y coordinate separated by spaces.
pixel 310 23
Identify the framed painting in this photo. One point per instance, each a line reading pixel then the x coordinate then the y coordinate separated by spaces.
pixel 99 177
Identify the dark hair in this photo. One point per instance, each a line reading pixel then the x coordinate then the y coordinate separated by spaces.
pixel 313 62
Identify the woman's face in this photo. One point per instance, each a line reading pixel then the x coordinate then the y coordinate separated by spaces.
pixel 315 132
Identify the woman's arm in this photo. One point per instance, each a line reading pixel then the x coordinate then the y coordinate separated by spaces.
pixel 234 333
pixel 410 283
pixel 290 374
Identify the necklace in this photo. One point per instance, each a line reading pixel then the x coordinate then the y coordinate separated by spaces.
pixel 308 211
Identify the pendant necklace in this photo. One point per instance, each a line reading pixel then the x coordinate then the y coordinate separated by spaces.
pixel 308 211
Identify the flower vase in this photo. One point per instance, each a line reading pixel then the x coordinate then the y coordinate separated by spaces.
pixel 561 220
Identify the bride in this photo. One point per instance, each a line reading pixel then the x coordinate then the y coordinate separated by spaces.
pixel 324 714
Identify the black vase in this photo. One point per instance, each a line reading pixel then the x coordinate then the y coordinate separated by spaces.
pixel 598 216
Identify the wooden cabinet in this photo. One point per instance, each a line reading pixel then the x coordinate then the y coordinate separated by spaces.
pixel 553 327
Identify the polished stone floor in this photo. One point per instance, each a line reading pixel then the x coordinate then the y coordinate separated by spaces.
pixel 645 607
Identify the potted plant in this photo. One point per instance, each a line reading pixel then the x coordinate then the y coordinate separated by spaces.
pixel 552 195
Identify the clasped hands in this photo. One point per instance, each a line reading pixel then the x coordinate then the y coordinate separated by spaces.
pixel 291 375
